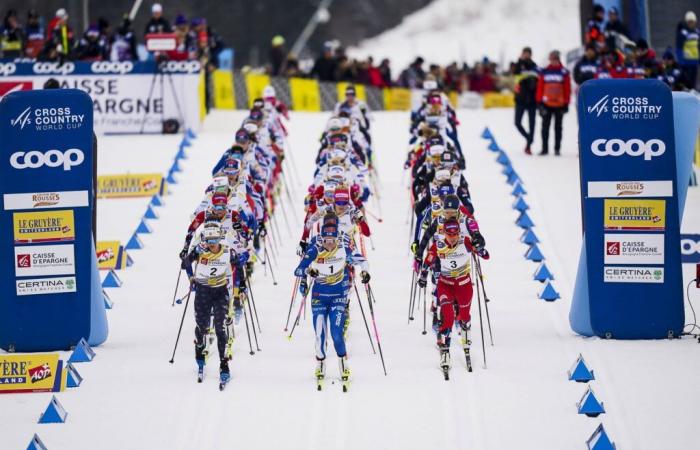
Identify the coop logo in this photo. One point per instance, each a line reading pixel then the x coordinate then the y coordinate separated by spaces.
pixel 625 108
pixel 52 68
pixel 7 69
pixel 179 66
pixel 52 158
pixel 632 147
pixel 23 119
pixel 120 67
pixel 600 107
pixel 39 373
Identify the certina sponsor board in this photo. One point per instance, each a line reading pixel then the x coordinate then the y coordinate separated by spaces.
pixel 37 286
pixel 41 260
pixel 625 108
pixel 634 248
pixel 44 200
pixel 47 119
pixel 44 226
pixel 632 274
pixel 635 214
pixel 603 189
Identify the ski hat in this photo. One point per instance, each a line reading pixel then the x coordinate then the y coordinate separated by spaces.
pixel 334 124
pixel 435 100
pixel 256 115
pixel 61 13
pixel 337 137
pixel 452 227
pixel 447 159
pixel 330 219
pixel 269 92
pixel 436 150
pixel 338 154
pixel 341 197
pixel 336 173
pixel 232 166
pixel 219 201
pixel 691 17
pixel 445 190
pixel 430 85
pixel 236 151
pixel 211 234
pixel 156 8
pixel 450 201
pixel 251 128
pixel 242 136
pixel 219 182
pixel 258 103
pixel 442 175
pixel 350 90
pixel 180 20
pixel 329 230
pixel 329 189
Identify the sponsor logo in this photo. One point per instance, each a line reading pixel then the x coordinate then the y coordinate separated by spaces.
pixel 23 119
pixel 603 189
pixel 690 248
pixel 44 200
pixel 120 67
pixel 632 147
pixel 8 87
pixel 7 69
pixel 179 66
pixel 105 255
pixel 54 68
pixel 51 158
pixel 45 226
pixel 37 286
pixel 633 274
pixel 44 260
pixel 625 108
pixel 634 249
pixel 39 373
pixel 635 214
pixel 130 185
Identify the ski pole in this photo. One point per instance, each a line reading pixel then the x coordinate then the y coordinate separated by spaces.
pixel 284 216
pixel 291 303
pixel 481 326
pixel 374 324
pixel 371 243
pixel 425 311
pixel 301 306
pixel 410 295
pixel 247 330
pixel 272 272
pixel 252 298
pixel 374 216
pixel 357 294
pixel 252 322
pixel 177 285
pixel 177 339
pixel 486 299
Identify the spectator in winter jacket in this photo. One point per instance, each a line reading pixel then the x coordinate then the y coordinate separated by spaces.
pixel 325 66
pixel 672 73
pixel 123 46
pixel 645 60
pixel 525 71
pixel 553 96
pixel 594 27
pixel 385 70
pixel 586 67
pixel 11 36
pixel 60 42
pixel 34 35
pixel 615 28
pixel 92 46
pixel 688 48
pixel 278 54
pixel 481 80
pixel 412 77
pixel 157 23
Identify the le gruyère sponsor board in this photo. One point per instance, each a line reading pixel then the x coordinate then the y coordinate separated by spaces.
pixel 42 260
pixel 603 189
pixel 44 226
pixel 633 274
pixel 634 248
pixel 45 200
pixel 634 214
pixel 33 372
pixel 130 185
pixel 38 286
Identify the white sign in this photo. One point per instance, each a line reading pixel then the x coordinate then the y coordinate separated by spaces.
pixel 648 189
pixel 51 158
pixel 45 200
pixel 630 274
pixel 36 286
pixel 634 248
pixel 40 260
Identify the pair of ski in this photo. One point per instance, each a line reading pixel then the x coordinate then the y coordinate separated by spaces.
pixel 224 378
pixel 320 378
pixel 445 359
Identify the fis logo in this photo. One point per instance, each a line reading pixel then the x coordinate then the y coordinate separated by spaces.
pixel 600 107
pixel 22 119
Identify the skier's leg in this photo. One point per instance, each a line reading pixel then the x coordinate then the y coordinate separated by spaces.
pixel 337 323
pixel 447 312
pixel 202 306
pixel 220 303
pixel 319 313
pixel 464 291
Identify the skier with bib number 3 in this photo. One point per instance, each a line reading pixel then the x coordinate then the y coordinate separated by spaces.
pixel 328 259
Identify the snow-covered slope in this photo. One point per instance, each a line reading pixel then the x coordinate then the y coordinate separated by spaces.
pixel 467 30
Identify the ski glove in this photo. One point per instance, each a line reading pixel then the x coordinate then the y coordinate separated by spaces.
pixel 313 273
pixel 242 258
pixel 303 287
pixel 302 248
pixel 478 241
pixel 183 253
pixel 262 231
pixel 423 280
pixel 365 277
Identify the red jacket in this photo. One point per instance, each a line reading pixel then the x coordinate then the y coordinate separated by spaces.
pixel 554 86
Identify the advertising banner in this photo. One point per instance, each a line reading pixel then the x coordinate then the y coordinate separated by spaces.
pixel 130 185
pixel 629 284
pixel 128 97
pixel 47 258
pixel 690 248
pixel 110 255
pixel 36 372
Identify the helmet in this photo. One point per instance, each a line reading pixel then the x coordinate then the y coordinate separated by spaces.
pixel 341 196
pixel 329 230
pixel 452 227
pixel 211 234
pixel 334 125
pixel 450 202
pixel 269 92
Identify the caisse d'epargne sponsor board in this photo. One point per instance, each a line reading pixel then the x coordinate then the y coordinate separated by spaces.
pixel 44 260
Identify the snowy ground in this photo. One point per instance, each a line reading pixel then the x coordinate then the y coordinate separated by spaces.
pixel 132 398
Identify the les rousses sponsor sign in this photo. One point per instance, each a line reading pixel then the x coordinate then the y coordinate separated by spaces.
pixel 123 93
pixel 629 283
pixel 47 256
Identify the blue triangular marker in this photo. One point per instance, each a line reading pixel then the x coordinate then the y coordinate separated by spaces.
pixel 548 293
pixel 513 178
pixel 129 261
pixel 54 412
pixel 589 404
pixel 542 274
pixel 36 443
pixel 524 221
pixel 507 170
pixel 134 243
pixel 580 372
pixel 143 228
pixel 518 189
pixel 73 378
pixel 191 134
pixel 82 352
pixel 175 168
pixel 534 254
pixel 185 142
pixel 520 204
pixel 170 178
pixel 486 134
pixel 150 214
pixel 493 146
pixel 108 301
pixel 181 154
pixel 156 201
pixel 599 440
pixel 529 237
pixel 112 280
pixel 503 158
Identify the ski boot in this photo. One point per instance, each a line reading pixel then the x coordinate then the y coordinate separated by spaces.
pixel 445 359
pixel 436 320
pixel 224 374
pixel 320 373
pixel 201 361
pixel 466 342
pixel 344 372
